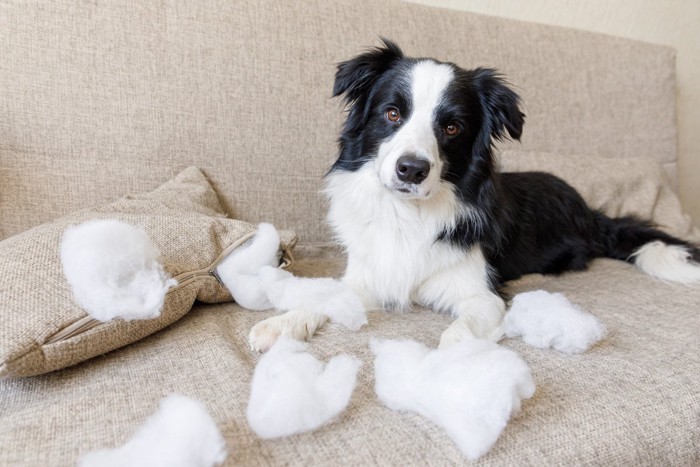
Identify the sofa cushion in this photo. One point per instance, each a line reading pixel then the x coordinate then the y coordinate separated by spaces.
pixel 43 329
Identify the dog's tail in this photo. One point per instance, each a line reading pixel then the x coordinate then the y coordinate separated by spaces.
pixel 656 253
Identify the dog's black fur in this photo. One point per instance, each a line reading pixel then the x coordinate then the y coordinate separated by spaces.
pixel 530 222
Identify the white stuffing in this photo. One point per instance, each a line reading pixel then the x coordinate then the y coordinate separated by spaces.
pixel 469 389
pixel 239 270
pixel 292 392
pixel 251 275
pixel 114 271
pixel 180 434
pixel 547 320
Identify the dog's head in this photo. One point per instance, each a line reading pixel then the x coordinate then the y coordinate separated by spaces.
pixel 422 122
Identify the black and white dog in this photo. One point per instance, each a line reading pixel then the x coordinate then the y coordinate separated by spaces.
pixel 424 215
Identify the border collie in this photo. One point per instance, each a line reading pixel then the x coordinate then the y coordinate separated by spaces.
pixel 424 215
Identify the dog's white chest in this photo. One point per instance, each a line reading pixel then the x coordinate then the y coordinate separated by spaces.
pixel 391 242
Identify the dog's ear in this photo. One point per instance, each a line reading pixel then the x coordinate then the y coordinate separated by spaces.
pixel 357 76
pixel 500 103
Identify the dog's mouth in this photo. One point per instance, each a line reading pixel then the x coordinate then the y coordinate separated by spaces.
pixel 408 191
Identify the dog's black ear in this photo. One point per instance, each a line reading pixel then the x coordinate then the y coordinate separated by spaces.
pixel 501 104
pixel 356 76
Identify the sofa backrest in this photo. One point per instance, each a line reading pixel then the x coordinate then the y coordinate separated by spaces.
pixel 100 99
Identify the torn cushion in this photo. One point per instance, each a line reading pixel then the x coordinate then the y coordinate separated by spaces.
pixel 42 327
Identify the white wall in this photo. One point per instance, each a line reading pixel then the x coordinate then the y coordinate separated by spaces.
pixel 669 22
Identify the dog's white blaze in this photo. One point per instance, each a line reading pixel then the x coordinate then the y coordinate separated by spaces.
pixel 429 80
pixel 667 262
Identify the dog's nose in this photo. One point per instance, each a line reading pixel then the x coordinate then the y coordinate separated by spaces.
pixel 411 169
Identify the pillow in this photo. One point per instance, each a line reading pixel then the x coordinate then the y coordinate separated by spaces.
pixel 43 329
pixel 617 186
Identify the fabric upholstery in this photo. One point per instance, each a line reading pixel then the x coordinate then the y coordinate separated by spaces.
pixel 102 98
pixel 98 99
pixel 630 400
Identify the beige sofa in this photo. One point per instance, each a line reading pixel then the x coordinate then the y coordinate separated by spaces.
pixel 98 100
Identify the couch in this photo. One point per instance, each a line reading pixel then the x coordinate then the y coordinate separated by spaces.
pixel 101 99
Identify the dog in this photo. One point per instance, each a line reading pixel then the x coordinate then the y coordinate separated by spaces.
pixel 424 215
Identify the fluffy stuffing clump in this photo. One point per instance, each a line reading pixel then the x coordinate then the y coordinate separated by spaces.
pixel 548 320
pixel 114 271
pixel 292 392
pixel 251 275
pixel 469 389
pixel 180 434
pixel 239 271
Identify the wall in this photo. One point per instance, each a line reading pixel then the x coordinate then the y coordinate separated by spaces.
pixel 668 22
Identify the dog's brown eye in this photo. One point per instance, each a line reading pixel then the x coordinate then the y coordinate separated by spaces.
pixel 392 114
pixel 451 130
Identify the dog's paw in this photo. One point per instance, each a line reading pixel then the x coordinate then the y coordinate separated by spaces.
pixel 456 333
pixel 297 324
pixel 464 329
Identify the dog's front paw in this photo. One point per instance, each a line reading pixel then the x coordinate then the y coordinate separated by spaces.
pixel 456 333
pixel 264 334
pixel 463 329
pixel 297 324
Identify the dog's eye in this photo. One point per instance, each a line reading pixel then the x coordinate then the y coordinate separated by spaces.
pixel 452 130
pixel 392 114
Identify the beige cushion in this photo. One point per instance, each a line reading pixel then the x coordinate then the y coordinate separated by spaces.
pixel 617 186
pixel 41 327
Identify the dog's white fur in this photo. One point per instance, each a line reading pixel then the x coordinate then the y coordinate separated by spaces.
pixel 394 261
pixel 667 263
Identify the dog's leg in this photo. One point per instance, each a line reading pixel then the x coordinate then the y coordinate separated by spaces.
pixel 478 317
pixel 297 324
pixel 356 278
pixel 463 291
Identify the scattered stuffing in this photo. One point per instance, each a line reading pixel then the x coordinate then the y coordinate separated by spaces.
pixel 547 320
pixel 292 392
pixel 114 271
pixel 469 389
pixel 239 270
pixel 180 434
pixel 255 283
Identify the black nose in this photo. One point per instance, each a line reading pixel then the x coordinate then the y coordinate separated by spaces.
pixel 411 169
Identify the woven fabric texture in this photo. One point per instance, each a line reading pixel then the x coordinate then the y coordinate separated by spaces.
pixel 101 98
pixel 98 99
pixel 182 217
pixel 633 399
